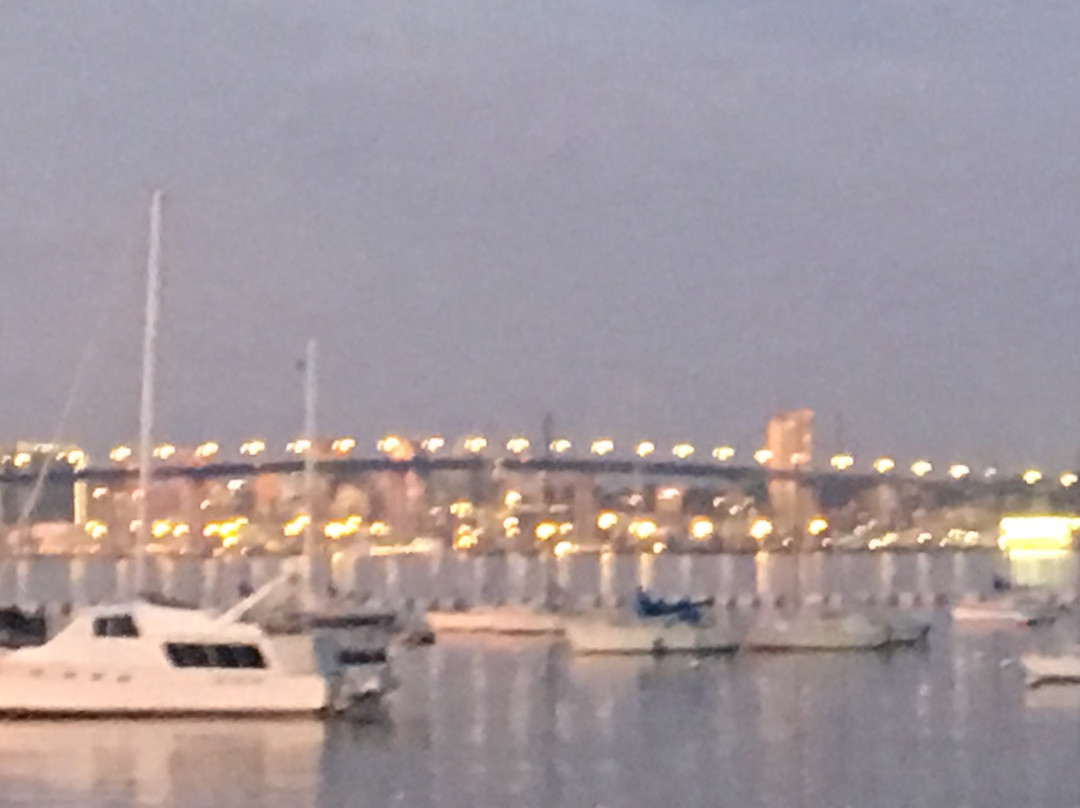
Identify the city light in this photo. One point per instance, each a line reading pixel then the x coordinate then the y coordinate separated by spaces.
pixel 22 460
pixel 293 527
pixel 466 538
pixel 560 445
pixel 817 526
pixel 1068 479
pixel 1035 533
pixel 920 468
pixel 606 520
pixel 299 446
pixel 235 484
pixel 990 473
pixel 99 492
pixel 433 443
pixel 761 528
pixel 161 528
pixel 564 548
pixel 682 450
pixel 118 454
pixel 1031 476
pixel 701 528
pixel 517 445
pixel 511 526
pixel 388 444
pixel 96 529
pixel 723 453
pixel 763 456
pixel 164 451
pixel 958 471
pixel 343 445
pixel 642 529
pixel 668 494
pixel 462 509
pixel 842 461
pixel 602 446
pixel 645 448
pixel 545 530
pixel 512 499
pixel 251 448
pixel 658 547
pixel 207 450
pixel 883 465
pixel 379 529
pixel 474 444
pixel 76 457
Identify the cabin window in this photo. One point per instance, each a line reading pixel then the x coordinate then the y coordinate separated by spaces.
pixel 199 655
pixel 120 625
pixel 354 656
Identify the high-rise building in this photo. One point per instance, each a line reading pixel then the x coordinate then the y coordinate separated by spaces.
pixel 789 439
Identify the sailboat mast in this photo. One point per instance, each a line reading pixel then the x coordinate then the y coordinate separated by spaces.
pixel 311 542
pixel 149 362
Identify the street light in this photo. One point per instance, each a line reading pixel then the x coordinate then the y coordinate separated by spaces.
pixel 343 445
pixel 817 526
pixel 723 453
pixel 1068 479
pixel 763 456
pixel 761 528
pixel 958 471
pixel 606 520
pixel 389 444
pixel 475 444
pixel 164 451
pixel 207 450
pixel 252 447
pixel 118 454
pixel 560 445
pixel 701 528
pixel 1032 476
pixel 432 444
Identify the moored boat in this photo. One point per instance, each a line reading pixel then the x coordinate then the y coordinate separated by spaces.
pixel 1040 669
pixel 506 619
pixel 808 631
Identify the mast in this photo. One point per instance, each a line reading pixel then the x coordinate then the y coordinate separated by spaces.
pixel 149 362
pixel 318 578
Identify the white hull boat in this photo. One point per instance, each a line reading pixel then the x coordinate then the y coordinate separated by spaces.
pixel 814 632
pixel 629 634
pixel 142 659
pixel 1006 610
pixel 509 619
pixel 1040 669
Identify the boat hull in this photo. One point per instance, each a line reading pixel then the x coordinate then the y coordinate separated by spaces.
pixel 1003 612
pixel 1041 669
pixel 814 633
pixel 496 620
pixel 592 635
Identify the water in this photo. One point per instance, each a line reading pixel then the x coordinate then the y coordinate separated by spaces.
pixel 501 722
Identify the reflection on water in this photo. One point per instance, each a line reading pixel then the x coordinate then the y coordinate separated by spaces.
pixel 517 722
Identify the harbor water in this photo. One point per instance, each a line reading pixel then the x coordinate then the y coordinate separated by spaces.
pixel 518 722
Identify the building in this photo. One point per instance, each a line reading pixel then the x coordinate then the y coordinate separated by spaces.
pixel 789 442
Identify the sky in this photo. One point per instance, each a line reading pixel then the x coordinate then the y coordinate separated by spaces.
pixel 651 218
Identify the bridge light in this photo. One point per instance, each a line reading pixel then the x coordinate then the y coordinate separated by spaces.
pixel 642 529
pixel 920 468
pixel 512 499
pixel 1069 479
pixel 206 450
pixel 299 446
pixel 723 453
pixel 958 471
pixel 475 444
pixel 118 454
pixel 432 444
pixel 1031 476
pixel 164 451
pixel 763 456
pixel 389 444
pixel 517 445
pixel 842 461
pixel 251 448
pixel 883 465
pixel 682 450
pixel 602 446
pixel 343 445
pixel 817 526
pixel 645 448
pixel 560 445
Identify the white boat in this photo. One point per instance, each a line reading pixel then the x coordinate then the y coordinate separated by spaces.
pixel 807 631
pixel 625 633
pixel 1020 608
pixel 1040 669
pixel 142 659
pixel 507 619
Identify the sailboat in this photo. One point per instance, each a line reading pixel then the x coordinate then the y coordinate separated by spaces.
pixel 147 658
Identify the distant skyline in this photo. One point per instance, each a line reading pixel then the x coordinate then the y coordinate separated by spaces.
pixel 652 219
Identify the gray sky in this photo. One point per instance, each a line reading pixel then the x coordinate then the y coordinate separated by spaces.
pixel 653 217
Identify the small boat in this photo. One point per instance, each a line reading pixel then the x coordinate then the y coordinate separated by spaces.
pixel 654 627
pixel 1041 669
pixel 507 619
pixel 828 631
pixel 906 628
pixel 1020 608
pixel 143 659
